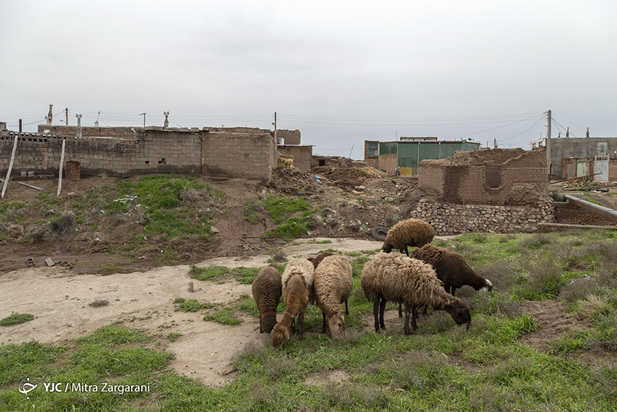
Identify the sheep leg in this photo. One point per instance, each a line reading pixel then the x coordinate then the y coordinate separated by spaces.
pixel 382 307
pixel 324 328
pixel 301 325
pixel 346 308
pixel 407 314
pixel 400 310
pixel 414 316
pixel 376 314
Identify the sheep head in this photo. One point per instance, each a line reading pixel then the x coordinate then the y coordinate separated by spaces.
pixel 336 323
pixel 280 335
pixel 387 247
pixel 488 287
pixel 460 312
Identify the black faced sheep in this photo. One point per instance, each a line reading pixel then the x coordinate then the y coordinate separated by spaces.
pixel 451 268
pixel 398 278
pixel 410 232
pixel 333 283
pixel 297 290
pixel 267 289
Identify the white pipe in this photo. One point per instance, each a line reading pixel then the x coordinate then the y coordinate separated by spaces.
pixel 604 211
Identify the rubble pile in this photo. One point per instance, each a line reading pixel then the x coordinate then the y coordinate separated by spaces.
pixel 347 178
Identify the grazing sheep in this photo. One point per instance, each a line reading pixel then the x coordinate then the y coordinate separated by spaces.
pixel 451 268
pixel 317 259
pixel 398 278
pixel 297 291
pixel 333 284
pixel 410 232
pixel 267 289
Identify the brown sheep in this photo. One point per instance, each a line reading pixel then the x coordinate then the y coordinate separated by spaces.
pixel 398 278
pixel 296 297
pixel 333 283
pixel 410 232
pixel 297 291
pixel 267 289
pixel 451 268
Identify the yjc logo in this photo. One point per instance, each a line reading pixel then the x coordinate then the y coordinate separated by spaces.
pixel 25 387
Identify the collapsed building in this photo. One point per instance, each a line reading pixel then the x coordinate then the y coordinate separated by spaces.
pixel 496 190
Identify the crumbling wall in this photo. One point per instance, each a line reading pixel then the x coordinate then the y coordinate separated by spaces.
pixel 492 177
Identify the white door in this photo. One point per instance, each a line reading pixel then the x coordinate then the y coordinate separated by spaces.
pixel 600 169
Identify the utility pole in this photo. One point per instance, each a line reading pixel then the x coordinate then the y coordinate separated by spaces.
pixel 548 145
pixel 50 115
pixel 144 115
pixel 276 142
pixel 78 135
pixel 66 113
pixel 495 143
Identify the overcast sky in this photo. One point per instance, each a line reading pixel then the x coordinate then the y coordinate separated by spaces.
pixel 339 71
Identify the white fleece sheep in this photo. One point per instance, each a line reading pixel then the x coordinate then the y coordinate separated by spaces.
pixel 333 283
pixel 398 278
pixel 410 232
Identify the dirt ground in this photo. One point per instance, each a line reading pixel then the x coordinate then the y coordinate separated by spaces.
pixel 60 301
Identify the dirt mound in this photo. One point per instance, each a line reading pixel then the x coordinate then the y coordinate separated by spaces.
pixel 294 181
pixel 348 178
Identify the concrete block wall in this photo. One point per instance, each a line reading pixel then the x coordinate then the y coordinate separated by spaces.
pixel 150 153
pixel 88 131
pixel 238 155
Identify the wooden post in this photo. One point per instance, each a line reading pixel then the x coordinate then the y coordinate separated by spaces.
pixel 61 164
pixel 8 173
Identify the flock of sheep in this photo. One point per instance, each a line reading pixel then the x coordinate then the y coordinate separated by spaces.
pixel 427 277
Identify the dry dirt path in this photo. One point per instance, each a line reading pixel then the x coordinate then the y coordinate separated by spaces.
pixel 60 302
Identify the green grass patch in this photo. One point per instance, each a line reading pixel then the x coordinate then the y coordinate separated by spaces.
pixel 16 318
pixel 223 316
pixel 191 305
pixel 280 207
pixel 208 272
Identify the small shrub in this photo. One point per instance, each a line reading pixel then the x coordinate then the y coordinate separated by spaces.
pixel 64 226
pixel 98 303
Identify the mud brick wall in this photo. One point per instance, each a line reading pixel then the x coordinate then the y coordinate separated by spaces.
pixel 245 155
pixel 491 177
pixel 451 219
pixel 302 155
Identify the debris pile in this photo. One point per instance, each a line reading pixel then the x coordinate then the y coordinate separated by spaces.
pixel 348 178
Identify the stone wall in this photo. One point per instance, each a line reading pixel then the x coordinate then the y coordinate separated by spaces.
pixel 451 219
